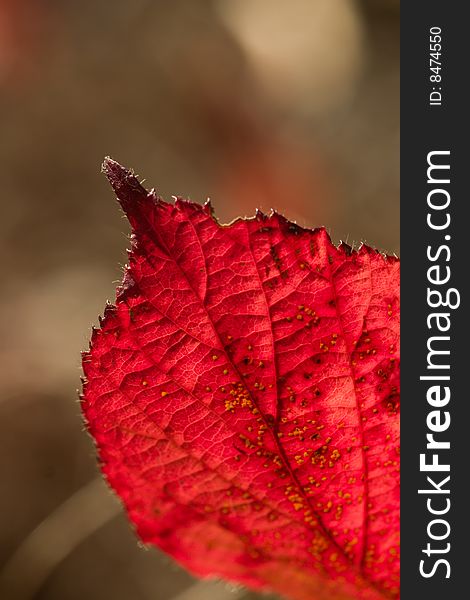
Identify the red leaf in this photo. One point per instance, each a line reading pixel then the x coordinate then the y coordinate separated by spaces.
pixel 243 394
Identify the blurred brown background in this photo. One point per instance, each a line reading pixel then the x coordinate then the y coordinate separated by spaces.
pixel 255 103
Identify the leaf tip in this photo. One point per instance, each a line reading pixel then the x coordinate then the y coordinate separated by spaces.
pixel 125 184
pixel 114 171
